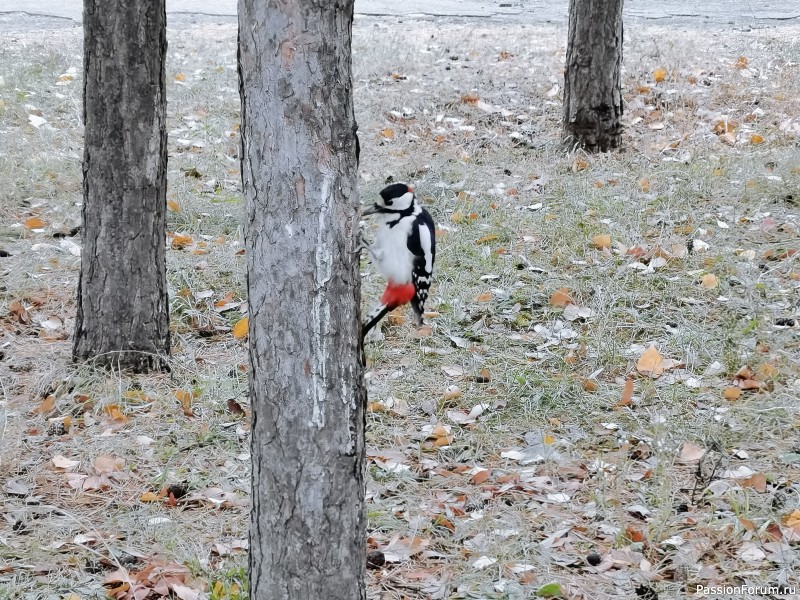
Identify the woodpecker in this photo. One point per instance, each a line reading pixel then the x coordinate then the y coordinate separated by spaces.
pixel 403 252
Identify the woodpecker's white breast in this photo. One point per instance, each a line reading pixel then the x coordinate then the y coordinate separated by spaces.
pixel 390 250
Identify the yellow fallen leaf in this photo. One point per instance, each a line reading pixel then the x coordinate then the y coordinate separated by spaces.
pixel 180 241
pixel 651 363
pixel 756 139
pixel 149 497
pixel 709 281
pixel 484 297
pixel 732 393
pixel 741 62
pixel 659 75
pixel 471 98
pixel 180 77
pixel 34 223
pixel 173 206
pixel 644 185
pixel 388 133
pixel 601 241
pixel 487 238
pixel 457 217
pixel 241 328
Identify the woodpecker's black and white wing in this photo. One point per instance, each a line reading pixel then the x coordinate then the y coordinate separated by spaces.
pixel 422 244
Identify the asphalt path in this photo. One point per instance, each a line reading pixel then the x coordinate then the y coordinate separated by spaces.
pixel 28 15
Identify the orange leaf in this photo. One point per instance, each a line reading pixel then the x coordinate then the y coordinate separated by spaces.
pixel 180 241
pixel 388 133
pixel 732 393
pixel 173 206
pixel 741 62
pixel 46 406
pixel 487 238
pixel 113 411
pixel 589 385
pixel 634 534
pixel 149 497
pixel 185 398
pixel 484 297
pixel 627 394
pixel 757 481
pixel 471 98
pixel 651 363
pixel 659 75
pixel 34 223
pixel 480 476
pixel 180 77
pixel 241 328
pixel 644 185
pixel 756 139
pixel 561 298
pixel 601 241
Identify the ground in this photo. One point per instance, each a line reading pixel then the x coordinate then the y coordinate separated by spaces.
pixel 604 405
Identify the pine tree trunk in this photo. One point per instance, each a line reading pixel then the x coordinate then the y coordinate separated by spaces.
pixel 307 524
pixel 592 92
pixel 123 313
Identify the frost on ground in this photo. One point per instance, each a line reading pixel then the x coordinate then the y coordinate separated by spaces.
pixel 605 405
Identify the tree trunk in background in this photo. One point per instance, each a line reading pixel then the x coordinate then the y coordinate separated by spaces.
pixel 592 92
pixel 307 523
pixel 123 312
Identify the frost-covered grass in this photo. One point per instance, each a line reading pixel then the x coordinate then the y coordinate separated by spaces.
pixel 470 116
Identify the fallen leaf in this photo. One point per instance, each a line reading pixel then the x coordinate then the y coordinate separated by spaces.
pixel 659 75
pixel 62 462
pixel 180 77
pixel 387 133
pixel 240 329
pixel 644 185
pixel 173 206
pixel 561 298
pixel 741 62
pixel 234 407
pixel 185 398
pixel 180 241
pixel 480 476
pixel 651 363
pixel 601 241
pixel 627 394
pixel 149 497
pixel 732 393
pixel 46 406
pixel 34 223
pixel 709 281
pixel 691 452
pixel 484 297
pixel 108 464
pixel 757 481
pixel 756 139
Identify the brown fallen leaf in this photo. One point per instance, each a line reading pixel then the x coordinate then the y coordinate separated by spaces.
pixel 601 241
pixel 627 394
pixel 561 298
pixel 180 241
pixel 659 75
pixel 757 481
pixel 691 452
pixel 732 393
pixel 234 407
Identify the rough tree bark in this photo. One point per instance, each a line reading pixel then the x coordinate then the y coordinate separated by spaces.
pixel 592 92
pixel 123 312
pixel 307 523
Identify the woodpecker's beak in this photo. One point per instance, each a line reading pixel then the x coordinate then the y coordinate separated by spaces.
pixel 370 210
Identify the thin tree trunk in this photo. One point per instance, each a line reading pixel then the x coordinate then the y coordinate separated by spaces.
pixel 592 92
pixel 307 523
pixel 123 312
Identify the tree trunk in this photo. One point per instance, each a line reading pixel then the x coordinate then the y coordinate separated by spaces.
pixel 307 523
pixel 123 312
pixel 592 92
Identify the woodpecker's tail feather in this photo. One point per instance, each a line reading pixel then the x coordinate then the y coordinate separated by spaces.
pixel 373 318
pixel 393 296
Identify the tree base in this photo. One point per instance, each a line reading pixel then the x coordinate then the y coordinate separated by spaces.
pixel 129 361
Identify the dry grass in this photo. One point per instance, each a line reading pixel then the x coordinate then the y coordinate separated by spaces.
pixel 465 165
